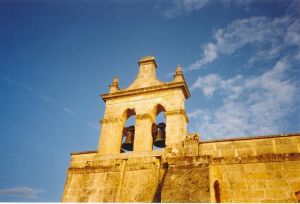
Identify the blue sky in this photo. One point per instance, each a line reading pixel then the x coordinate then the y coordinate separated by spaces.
pixel 240 59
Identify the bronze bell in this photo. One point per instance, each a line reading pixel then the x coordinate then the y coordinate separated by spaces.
pixel 129 134
pixel 154 131
pixel 160 139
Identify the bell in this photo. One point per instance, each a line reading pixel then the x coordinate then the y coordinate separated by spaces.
pixel 154 131
pixel 160 138
pixel 129 134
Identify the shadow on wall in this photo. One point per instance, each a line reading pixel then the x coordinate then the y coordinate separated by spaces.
pixel 157 195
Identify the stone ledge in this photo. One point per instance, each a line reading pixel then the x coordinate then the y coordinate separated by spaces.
pixel 256 159
pixel 155 153
pixel 84 152
pixel 123 155
pixel 182 160
pixel 251 138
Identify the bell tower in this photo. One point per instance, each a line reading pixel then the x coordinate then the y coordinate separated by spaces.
pixel 145 98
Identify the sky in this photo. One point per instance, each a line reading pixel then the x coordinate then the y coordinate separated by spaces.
pixel 240 60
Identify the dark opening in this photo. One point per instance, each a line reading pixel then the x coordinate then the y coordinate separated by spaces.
pixel 159 128
pixel 128 131
pixel 217 191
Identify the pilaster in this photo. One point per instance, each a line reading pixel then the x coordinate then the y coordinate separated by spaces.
pixel 110 136
pixel 176 130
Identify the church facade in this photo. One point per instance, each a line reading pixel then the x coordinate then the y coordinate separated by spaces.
pixel 162 162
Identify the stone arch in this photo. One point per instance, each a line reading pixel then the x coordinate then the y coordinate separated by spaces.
pixel 158 108
pixel 127 113
pixel 159 126
pixel 128 132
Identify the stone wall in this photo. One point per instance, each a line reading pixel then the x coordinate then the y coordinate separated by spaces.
pixel 261 181
pixel 187 180
pixel 251 146
pixel 259 169
pixel 116 180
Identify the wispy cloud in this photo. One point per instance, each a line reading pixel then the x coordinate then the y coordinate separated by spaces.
pixel 266 36
pixel 250 105
pixel 46 98
pixel 184 7
pixel 71 112
pixel 212 82
pixel 14 82
pixel 23 192
pixel 41 96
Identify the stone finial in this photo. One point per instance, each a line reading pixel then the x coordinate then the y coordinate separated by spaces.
pixel 114 86
pixel 147 60
pixel 179 69
pixel 178 76
pixel 147 74
pixel 116 80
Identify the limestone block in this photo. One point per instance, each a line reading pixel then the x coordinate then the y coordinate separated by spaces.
pixel 245 152
pixel 186 184
pixel 224 145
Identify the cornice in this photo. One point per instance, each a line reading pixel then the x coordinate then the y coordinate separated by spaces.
pixel 165 86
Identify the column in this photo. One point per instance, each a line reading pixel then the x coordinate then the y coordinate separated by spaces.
pixel 143 133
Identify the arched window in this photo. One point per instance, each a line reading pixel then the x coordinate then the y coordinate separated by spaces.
pixel 159 128
pixel 128 131
pixel 217 191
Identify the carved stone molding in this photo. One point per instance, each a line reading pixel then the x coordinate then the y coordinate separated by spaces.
pixel 145 117
pixel 109 120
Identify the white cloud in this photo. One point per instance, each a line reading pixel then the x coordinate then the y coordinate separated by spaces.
pixel 250 106
pixel 293 36
pixel 212 82
pixel 293 33
pixel 209 55
pixel 294 8
pixel 184 7
pixel 266 36
pixel 24 192
pixel 208 84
